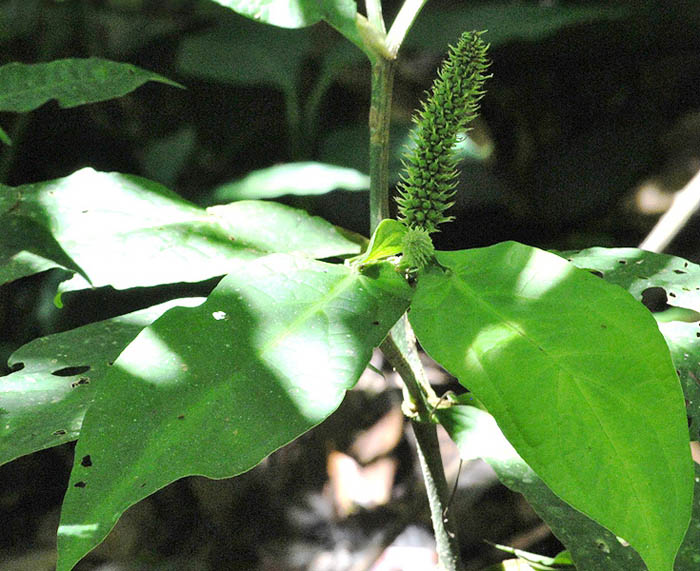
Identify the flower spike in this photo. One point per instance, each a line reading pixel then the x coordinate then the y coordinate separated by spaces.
pixel 428 183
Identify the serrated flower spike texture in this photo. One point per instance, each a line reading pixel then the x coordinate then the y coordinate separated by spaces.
pixel 428 182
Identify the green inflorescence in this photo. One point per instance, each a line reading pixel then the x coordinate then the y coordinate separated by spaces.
pixel 428 183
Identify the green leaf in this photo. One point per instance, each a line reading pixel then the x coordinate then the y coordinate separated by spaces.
pixel 637 271
pixel 71 82
pixel 43 404
pixel 214 389
pixel 241 52
pixel 164 159
pixel 283 13
pixel 536 561
pixel 386 241
pixel 506 22
pixel 592 547
pixel 4 137
pixel 579 379
pixel 301 179
pixel 126 231
pixel 341 14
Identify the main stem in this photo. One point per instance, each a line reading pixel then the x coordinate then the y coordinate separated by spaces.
pixel 379 116
pixel 399 347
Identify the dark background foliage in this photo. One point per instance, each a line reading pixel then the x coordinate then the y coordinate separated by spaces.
pixel 591 121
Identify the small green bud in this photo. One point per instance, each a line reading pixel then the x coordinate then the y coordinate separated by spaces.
pixel 418 249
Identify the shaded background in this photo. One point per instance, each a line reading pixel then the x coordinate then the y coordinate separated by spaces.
pixel 590 123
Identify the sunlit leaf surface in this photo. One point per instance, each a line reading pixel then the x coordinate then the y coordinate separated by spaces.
pixel 214 389
pixel 305 179
pixel 126 231
pixel 300 13
pixel 43 404
pixel 638 271
pixel 579 379
pixel 592 547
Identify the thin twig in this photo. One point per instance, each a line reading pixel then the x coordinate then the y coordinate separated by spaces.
pixel 685 202
pixel 403 22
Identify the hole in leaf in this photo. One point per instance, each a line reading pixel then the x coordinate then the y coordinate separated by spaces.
pixel 597 273
pixel 71 371
pixel 600 544
pixel 654 298
pixel 670 293
pixel 375 323
pixel 80 381
pixel 679 272
pixel 80 484
pixel 622 262
pixel 181 417
pixel 59 432
pixel 86 462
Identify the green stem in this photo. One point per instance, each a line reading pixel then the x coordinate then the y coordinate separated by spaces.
pixel 438 495
pixel 400 350
pixel 379 116
pixel 400 346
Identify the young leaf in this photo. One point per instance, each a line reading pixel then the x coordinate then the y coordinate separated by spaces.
pixel 126 231
pixel 579 379
pixel 71 82
pixel 386 241
pixel 214 389
pixel 43 404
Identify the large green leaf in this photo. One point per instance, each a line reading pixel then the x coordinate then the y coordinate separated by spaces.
pixel 43 404
pixel 592 547
pixel 304 178
pixel 341 14
pixel 579 379
pixel 71 82
pixel 126 231
pixel 637 271
pixel 214 389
